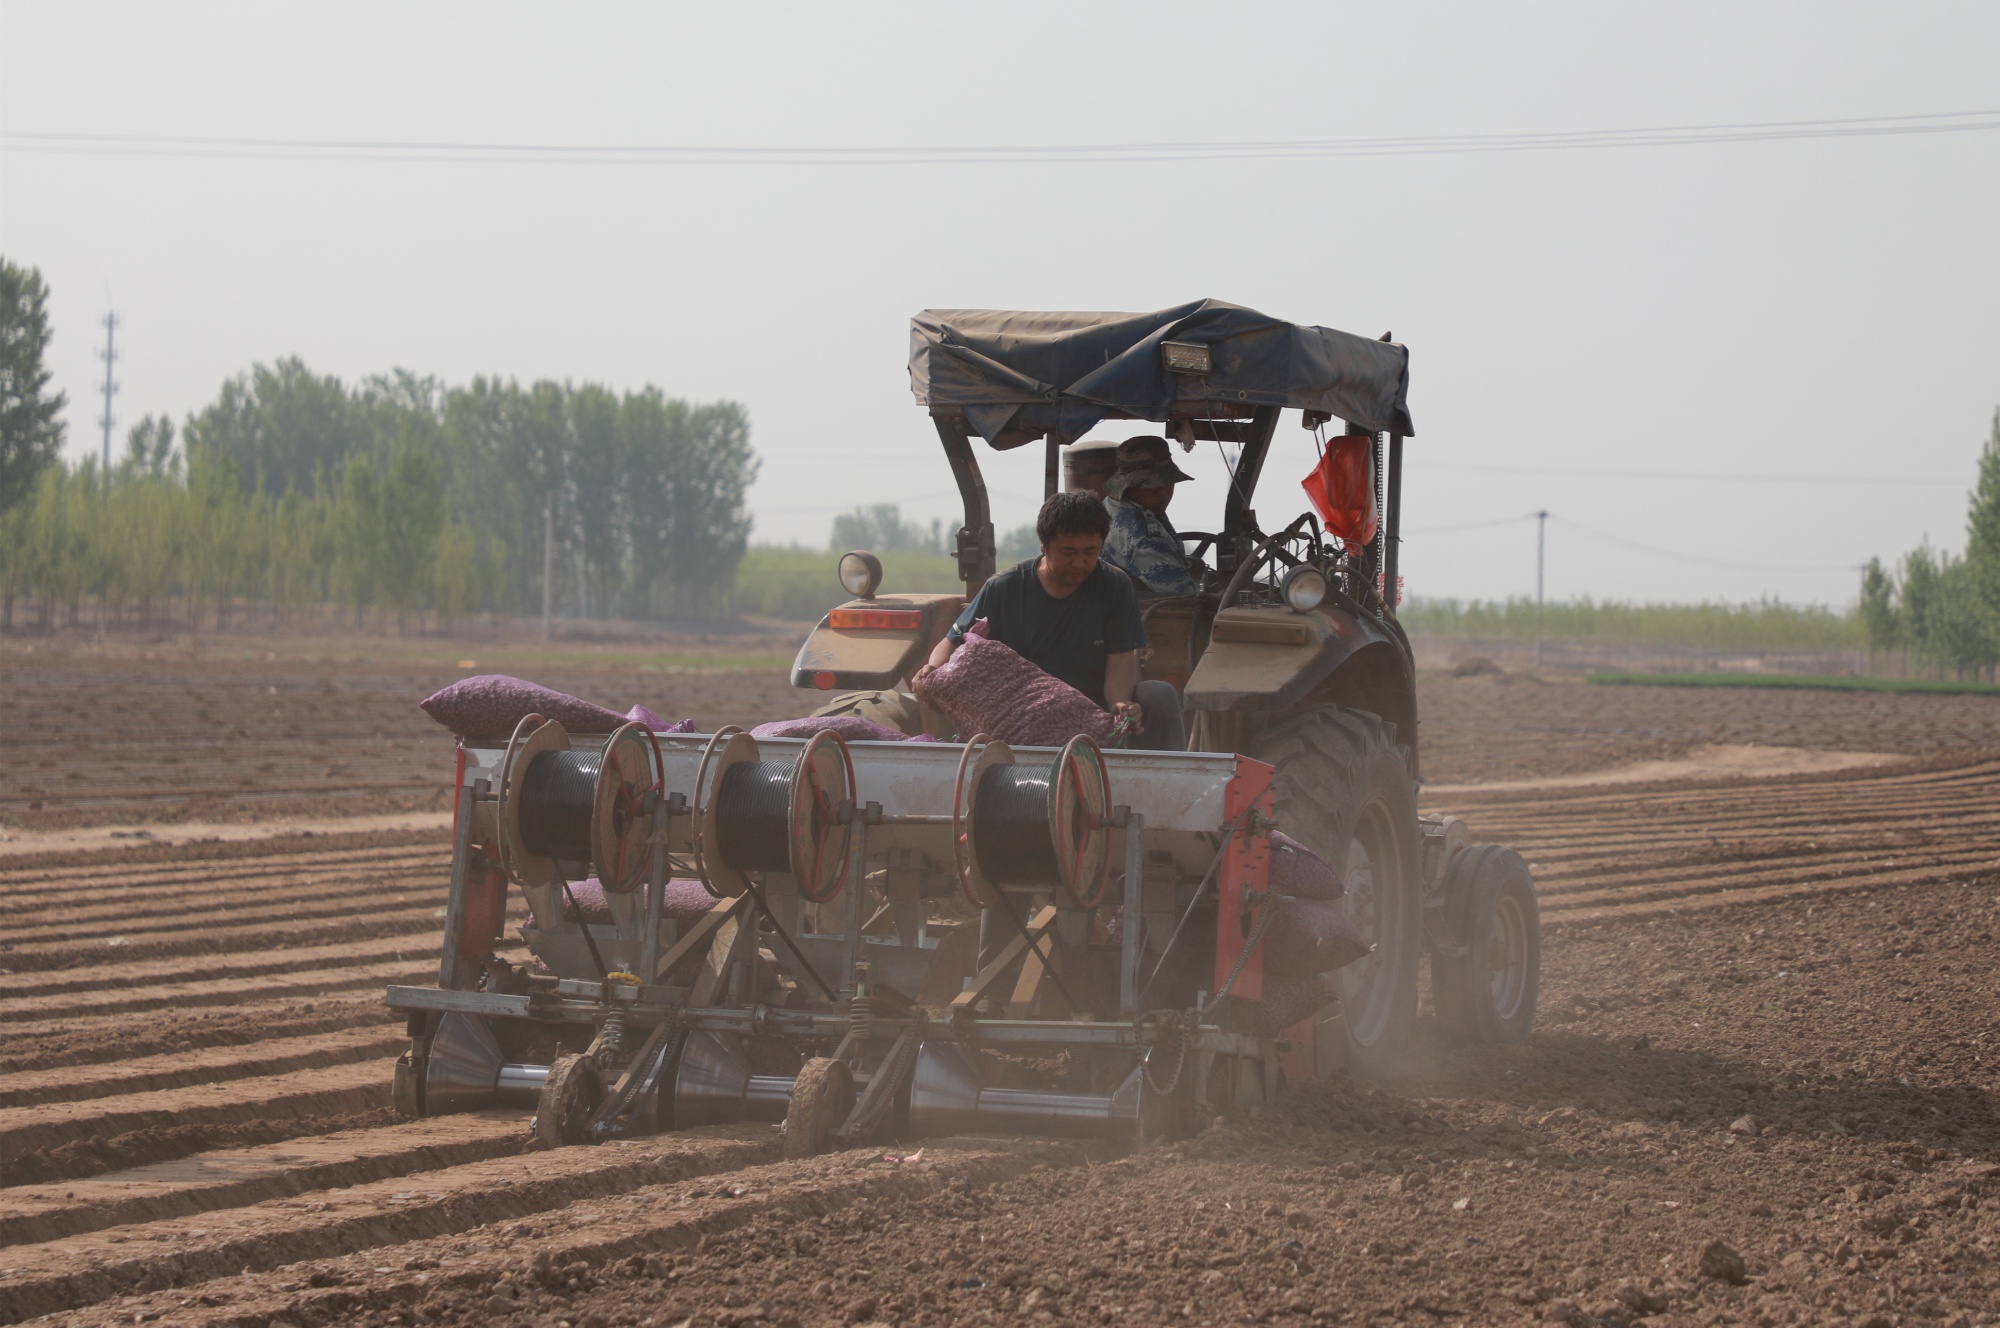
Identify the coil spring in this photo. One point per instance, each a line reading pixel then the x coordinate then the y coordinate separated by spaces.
pixel 861 1015
pixel 613 1040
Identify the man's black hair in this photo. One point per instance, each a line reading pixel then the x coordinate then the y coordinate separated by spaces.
pixel 1078 512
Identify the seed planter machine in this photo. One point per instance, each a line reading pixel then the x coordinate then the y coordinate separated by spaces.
pixel 896 939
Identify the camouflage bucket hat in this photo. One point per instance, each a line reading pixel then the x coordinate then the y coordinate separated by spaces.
pixel 1144 463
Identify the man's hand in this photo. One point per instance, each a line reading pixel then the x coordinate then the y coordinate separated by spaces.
pixel 1128 710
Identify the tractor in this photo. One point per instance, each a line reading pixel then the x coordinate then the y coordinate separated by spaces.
pixel 1290 653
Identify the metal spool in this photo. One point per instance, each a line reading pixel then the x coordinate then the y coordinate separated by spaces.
pixel 563 806
pixel 1041 828
pixel 765 816
pixel 621 810
pixel 533 736
pixel 822 781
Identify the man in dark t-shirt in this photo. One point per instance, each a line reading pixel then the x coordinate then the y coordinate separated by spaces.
pixel 1075 618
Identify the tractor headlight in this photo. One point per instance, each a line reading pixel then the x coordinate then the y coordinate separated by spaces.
pixel 860 574
pixel 1304 589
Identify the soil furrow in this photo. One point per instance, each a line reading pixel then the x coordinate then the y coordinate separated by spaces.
pixel 95 1266
pixel 119 974
pixel 26 889
pixel 1640 910
pixel 201 916
pixel 332 1091
pixel 144 1074
pixel 238 1177
pixel 1706 878
pixel 59 860
pixel 596 1230
pixel 46 1044
pixel 219 941
pixel 119 1001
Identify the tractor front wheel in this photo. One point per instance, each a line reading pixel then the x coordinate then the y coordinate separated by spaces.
pixel 1344 791
pixel 1487 990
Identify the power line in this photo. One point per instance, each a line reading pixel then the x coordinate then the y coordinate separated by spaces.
pixel 170 145
pixel 1683 556
pixel 1678 555
pixel 1469 525
pixel 1717 477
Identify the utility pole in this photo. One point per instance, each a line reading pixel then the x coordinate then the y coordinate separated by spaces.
pixel 548 565
pixel 110 356
pixel 1541 545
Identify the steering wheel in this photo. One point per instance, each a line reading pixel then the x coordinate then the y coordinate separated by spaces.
pixel 1267 548
pixel 1207 542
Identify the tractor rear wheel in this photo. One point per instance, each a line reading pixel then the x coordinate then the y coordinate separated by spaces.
pixel 1344 791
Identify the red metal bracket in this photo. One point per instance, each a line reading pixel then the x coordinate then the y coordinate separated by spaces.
pixel 1243 884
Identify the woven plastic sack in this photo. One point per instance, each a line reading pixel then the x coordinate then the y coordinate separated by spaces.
pixel 985 687
pixel 685 900
pixel 1288 1000
pixel 490 705
pixel 1298 871
pixel 851 728
pixel 1310 936
pixel 639 714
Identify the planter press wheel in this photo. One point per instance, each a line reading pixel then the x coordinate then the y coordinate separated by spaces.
pixel 980 755
pixel 570 1096
pixel 532 736
pixel 620 814
pixel 822 782
pixel 1079 803
pixel 730 747
pixel 822 1097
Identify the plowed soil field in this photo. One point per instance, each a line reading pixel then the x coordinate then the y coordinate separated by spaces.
pixel 1769 1019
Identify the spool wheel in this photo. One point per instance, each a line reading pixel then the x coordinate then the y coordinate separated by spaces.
pixel 620 821
pixel 570 1096
pixel 1079 798
pixel 822 1097
pixel 980 755
pixel 822 781
pixel 730 747
pixel 532 736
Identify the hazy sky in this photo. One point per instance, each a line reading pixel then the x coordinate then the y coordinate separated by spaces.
pixel 1819 307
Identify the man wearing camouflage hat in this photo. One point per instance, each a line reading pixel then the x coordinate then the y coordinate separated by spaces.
pixel 1143 542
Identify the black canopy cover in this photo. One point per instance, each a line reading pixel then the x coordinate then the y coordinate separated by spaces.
pixel 1022 376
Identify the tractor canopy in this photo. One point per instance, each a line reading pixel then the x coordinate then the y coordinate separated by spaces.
pixel 1017 377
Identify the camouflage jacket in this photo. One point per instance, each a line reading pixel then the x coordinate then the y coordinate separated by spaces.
pixel 1144 546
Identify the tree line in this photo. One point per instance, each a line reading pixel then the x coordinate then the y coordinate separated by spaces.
pixel 397 495
pixel 1937 612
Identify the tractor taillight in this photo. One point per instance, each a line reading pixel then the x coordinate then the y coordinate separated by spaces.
pixel 877 620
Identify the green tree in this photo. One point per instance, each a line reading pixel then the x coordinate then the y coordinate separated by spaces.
pixel 278 425
pixel 31 430
pixel 1922 593
pixel 880 528
pixel 410 520
pixel 355 526
pixel 1962 636
pixel 149 449
pixel 1019 544
pixel 1982 528
pixel 1881 614
pixel 455 579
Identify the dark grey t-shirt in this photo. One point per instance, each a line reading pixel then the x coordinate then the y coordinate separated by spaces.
pixel 1066 638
